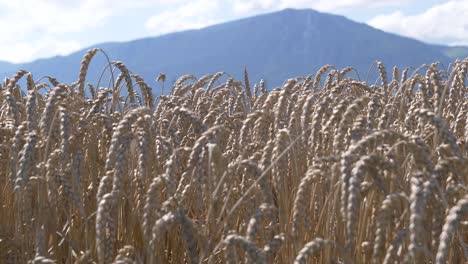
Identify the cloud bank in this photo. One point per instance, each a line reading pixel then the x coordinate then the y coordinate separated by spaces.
pixel 442 23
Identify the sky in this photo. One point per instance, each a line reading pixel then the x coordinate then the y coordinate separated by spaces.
pixel 32 29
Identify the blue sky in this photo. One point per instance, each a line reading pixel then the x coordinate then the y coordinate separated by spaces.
pixel 33 29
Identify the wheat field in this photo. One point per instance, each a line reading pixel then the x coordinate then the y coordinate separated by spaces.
pixel 327 168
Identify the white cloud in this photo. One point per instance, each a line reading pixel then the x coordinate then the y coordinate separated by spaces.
pixel 194 15
pixel 33 27
pixel 21 51
pixel 443 23
pixel 248 6
pixel 243 7
pixel 51 17
pixel 332 6
pixel 36 28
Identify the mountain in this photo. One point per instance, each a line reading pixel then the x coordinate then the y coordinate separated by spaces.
pixel 6 66
pixel 455 51
pixel 272 46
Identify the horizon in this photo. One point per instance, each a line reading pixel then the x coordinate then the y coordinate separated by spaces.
pixel 52 38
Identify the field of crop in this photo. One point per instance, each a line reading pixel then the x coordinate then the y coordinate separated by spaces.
pixel 326 169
